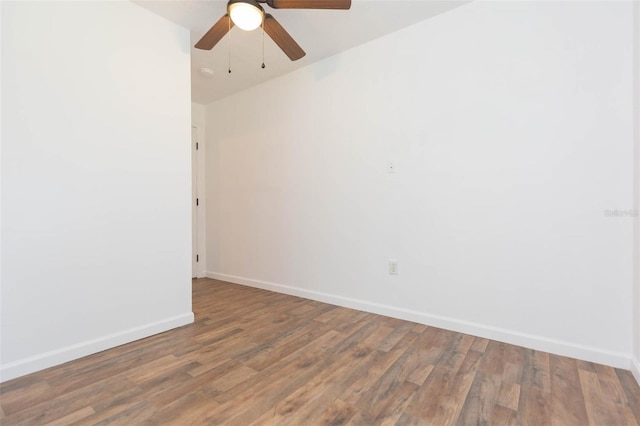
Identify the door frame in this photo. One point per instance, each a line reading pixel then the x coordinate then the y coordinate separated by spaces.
pixel 198 169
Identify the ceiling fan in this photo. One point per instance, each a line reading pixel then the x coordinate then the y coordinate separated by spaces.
pixel 249 15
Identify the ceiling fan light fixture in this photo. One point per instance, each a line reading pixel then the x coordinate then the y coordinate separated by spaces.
pixel 246 14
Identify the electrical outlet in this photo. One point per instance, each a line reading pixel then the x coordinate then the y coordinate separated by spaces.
pixel 391 166
pixel 393 267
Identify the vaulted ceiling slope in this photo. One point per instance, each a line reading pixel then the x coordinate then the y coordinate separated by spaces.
pixel 321 33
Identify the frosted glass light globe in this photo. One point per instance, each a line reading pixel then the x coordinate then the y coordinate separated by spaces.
pixel 245 15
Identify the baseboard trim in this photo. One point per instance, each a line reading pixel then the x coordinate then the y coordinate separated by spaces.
pixel 59 356
pixel 586 353
pixel 635 369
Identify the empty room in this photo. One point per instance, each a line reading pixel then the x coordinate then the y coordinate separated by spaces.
pixel 308 212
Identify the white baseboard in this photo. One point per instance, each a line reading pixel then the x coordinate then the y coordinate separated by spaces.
pixel 59 356
pixel 586 353
pixel 635 369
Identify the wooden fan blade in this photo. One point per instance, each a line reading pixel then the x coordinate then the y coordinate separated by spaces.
pixel 309 4
pixel 282 38
pixel 215 34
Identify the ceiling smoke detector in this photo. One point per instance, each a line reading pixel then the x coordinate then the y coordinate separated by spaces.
pixel 207 72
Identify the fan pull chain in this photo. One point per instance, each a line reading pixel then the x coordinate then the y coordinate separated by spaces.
pixel 263 41
pixel 229 32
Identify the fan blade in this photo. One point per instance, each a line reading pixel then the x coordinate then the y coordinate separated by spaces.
pixel 309 4
pixel 282 38
pixel 215 34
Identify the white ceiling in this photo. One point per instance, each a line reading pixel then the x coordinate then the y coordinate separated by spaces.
pixel 321 33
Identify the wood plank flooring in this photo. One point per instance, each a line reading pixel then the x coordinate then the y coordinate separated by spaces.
pixel 256 357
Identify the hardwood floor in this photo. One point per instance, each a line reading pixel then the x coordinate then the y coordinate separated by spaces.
pixel 256 357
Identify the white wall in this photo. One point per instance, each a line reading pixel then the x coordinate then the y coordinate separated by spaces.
pixel 511 127
pixel 636 73
pixel 96 220
pixel 198 121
